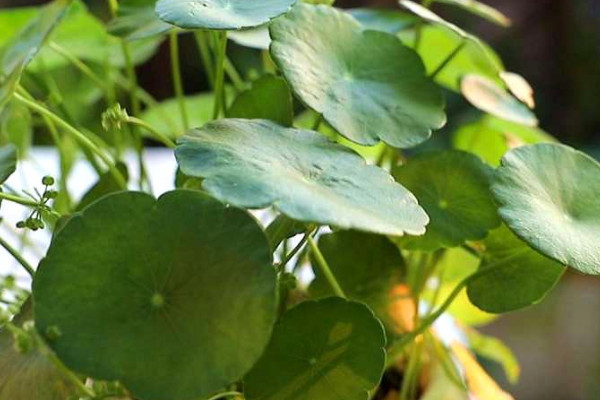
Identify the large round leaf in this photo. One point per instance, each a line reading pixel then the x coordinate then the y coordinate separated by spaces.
pixel 454 189
pixel 330 349
pixel 368 268
pixel 549 195
pixel 175 297
pixel 518 275
pixel 8 161
pixel 30 375
pixel 221 14
pixel 256 164
pixel 367 84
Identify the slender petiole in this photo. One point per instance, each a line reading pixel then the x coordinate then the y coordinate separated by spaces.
pixel 324 267
pixel 177 82
pixel 221 46
pixel 15 254
pixel 155 133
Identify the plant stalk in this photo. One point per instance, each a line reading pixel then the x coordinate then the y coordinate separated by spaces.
pixel 221 45
pixel 177 81
pixel 322 263
pixel 155 133
pixel 207 62
pixel 15 254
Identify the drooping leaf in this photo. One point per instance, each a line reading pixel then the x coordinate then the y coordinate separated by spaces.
pixel 490 137
pixel 28 376
pixel 184 283
pixel 8 161
pixel 255 38
pixel 519 87
pixel 481 9
pixel 437 43
pixel 519 276
pixel 487 96
pixel 221 14
pixel 137 19
pixel 381 19
pixel 494 349
pixel 106 185
pixel 367 84
pixel 431 17
pixel 368 268
pixel 268 98
pixel 25 46
pixel 256 163
pixel 330 349
pixel 549 195
pixel 454 189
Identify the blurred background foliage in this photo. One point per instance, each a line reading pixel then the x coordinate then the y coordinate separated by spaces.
pixel 555 44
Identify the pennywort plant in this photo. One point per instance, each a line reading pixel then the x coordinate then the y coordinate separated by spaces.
pixel 189 296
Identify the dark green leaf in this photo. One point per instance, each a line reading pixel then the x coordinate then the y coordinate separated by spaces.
pixel 8 162
pixel 519 276
pixel 549 195
pixel 330 349
pixel 106 185
pixel 25 46
pixel 184 283
pixel 268 98
pixel 367 84
pixel 218 14
pixel 368 267
pixel 283 228
pixel 137 19
pixel 29 376
pixel 256 163
pixel 454 189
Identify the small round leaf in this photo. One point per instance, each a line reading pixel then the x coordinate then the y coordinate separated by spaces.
pixel 256 164
pixel 221 14
pixel 367 84
pixel 330 349
pixel 549 196
pixel 454 189
pixel 175 298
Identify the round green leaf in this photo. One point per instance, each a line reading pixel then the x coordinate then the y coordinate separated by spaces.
pixel 487 96
pixel 549 195
pixel 367 267
pixel 256 164
pixel 330 349
pixel 29 376
pixel 8 162
pixel 221 14
pixel 518 277
pixel 367 84
pixel 137 19
pixel 175 298
pixel 381 19
pixel 268 98
pixel 454 189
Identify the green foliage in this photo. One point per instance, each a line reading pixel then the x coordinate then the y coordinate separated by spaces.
pixel 178 298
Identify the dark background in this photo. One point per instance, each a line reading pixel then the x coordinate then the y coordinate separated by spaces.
pixel 555 44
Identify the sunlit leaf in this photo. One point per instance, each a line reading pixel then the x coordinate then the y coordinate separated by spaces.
pixel 453 188
pixel 366 83
pixel 8 162
pixel 184 283
pixel 519 87
pixel 268 98
pixel 256 163
pixel 330 349
pixel 518 275
pixel 26 45
pixel 256 38
pixel 549 195
pixel 487 96
pixel 494 349
pixel 29 376
pixel 219 14
pixel 481 9
pixel 490 137
pixel 137 19
pixel 368 267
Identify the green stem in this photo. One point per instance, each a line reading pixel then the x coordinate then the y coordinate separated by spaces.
pixel 411 373
pixel 226 394
pixel 113 6
pixel 448 59
pixel 234 75
pixel 18 199
pixel 204 48
pixel 80 137
pixel 221 44
pixel 177 81
pixel 322 263
pixel 13 252
pixel 157 135
pixel 294 251
pixel 132 77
